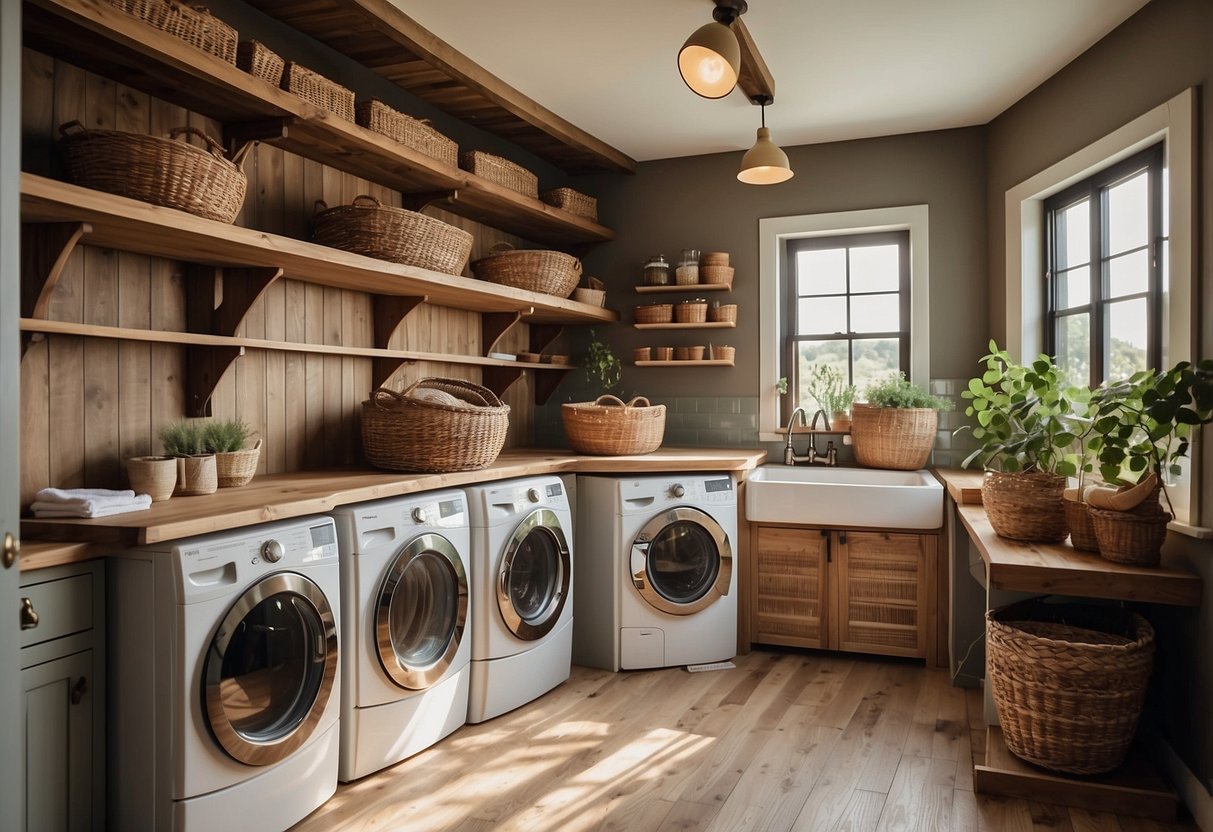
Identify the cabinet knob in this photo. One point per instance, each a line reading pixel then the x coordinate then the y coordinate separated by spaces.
pixel 79 689
pixel 29 618
pixel 12 548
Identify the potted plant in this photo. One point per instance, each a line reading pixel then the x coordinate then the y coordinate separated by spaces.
pixel 608 426
pixel 235 465
pixel 828 387
pixel 895 426
pixel 195 466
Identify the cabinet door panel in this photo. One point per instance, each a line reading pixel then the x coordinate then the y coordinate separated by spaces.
pixel 881 593
pixel 790 601
pixel 59 745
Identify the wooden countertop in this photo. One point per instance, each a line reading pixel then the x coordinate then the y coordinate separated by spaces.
pixel 282 496
pixel 1059 567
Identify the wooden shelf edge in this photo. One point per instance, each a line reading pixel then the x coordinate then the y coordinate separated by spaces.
pixel 702 362
pixel 686 287
pixel 674 325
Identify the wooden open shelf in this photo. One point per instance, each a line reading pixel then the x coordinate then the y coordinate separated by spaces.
pixel 102 39
pixel 702 362
pixel 706 325
pixel 686 287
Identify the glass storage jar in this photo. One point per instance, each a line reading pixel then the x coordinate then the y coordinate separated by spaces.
pixel 687 272
pixel 656 271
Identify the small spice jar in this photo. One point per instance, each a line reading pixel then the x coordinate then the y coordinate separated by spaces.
pixel 656 271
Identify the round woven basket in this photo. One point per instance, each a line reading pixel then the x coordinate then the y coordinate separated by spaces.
pixel 609 427
pixel 536 270
pixel 1082 532
pixel 155 476
pixel 236 468
pixel 893 437
pixel 196 475
pixel 1025 505
pixel 460 426
pixel 366 226
pixel 1130 537
pixel 166 172
pixel 1069 681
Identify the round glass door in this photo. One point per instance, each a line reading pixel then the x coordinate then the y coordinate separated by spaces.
pixel 270 668
pixel 422 612
pixel 682 561
pixel 533 582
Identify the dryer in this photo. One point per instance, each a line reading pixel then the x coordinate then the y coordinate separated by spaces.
pixel 522 592
pixel 224 679
pixel 656 584
pixel 406 627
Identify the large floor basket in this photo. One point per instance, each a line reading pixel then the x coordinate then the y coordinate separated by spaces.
pixel 436 425
pixel 1069 681
pixel 609 427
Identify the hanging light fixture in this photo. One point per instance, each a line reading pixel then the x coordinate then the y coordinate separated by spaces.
pixel 710 60
pixel 764 163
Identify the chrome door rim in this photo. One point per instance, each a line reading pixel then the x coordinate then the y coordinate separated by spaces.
pixel 545 521
pixel 420 677
pixel 248 751
pixel 640 560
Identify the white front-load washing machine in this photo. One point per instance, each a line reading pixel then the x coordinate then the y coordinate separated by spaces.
pixel 656 585
pixel 224 679
pixel 522 592
pixel 405 627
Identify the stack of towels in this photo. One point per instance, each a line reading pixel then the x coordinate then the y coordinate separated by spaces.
pixel 87 502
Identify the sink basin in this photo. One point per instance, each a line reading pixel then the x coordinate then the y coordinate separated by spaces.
pixel 868 497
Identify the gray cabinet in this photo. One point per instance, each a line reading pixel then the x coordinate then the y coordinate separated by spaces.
pixel 62 676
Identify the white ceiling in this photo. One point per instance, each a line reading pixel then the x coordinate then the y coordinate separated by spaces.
pixel 844 69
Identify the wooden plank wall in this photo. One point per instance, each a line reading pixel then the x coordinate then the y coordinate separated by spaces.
pixel 88 404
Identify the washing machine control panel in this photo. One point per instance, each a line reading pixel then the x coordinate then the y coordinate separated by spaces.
pixel 272 551
pixel 419 515
pixel 677 490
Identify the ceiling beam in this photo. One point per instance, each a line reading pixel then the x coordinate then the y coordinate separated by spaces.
pixel 755 79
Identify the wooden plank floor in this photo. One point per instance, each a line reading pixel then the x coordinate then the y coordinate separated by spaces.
pixel 786 741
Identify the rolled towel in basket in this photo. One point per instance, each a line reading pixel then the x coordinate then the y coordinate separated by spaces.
pixel 87 502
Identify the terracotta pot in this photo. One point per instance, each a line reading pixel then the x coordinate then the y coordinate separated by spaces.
pixel 155 476
pixel 196 475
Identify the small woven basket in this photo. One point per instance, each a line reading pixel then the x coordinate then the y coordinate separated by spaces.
pixel 314 88
pixel 174 174
pixel 691 312
pixel 1025 505
pixel 714 258
pixel 412 132
pixel 367 226
pixel 893 437
pixel 723 313
pixel 409 432
pixel 193 24
pixel 536 270
pixel 654 313
pixel 236 468
pixel 196 475
pixel 724 353
pixel 716 274
pixel 1130 537
pixel 593 293
pixel 1082 531
pixel 609 427
pixel 155 476
pixel 255 59
pixel 1069 681
pixel 502 171
pixel 575 202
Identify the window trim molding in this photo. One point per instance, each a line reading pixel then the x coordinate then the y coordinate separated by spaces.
pixel 772 265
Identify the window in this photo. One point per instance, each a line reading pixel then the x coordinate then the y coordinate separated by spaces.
pixel 1105 249
pixel 847 306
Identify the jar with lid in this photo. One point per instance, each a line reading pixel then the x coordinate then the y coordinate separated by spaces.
pixel 687 273
pixel 656 271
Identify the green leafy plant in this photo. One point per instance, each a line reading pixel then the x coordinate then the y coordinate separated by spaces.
pixel 184 438
pixel 601 365
pixel 828 386
pixel 225 436
pixel 781 386
pixel 898 391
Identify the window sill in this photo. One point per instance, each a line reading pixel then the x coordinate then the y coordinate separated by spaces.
pixel 1188 530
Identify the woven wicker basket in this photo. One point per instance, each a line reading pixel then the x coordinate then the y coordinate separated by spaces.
pixel 575 202
pixel 723 312
pixel 255 59
pixel 196 475
pixel 193 24
pixel 314 88
pixel 691 312
pixel 1025 505
pixel 1082 532
pixel 366 226
pixel 1130 537
pixel 724 353
pixel 165 172
pixel 403 432
pixel 654 313
pixel 593 293
pixel 893 437
pixel 236 468
pixel 716 274
pixel 412 132
pixel 609 427
pixel 502 171
pixel 536 270
pixel 155 476
pixel 1069 681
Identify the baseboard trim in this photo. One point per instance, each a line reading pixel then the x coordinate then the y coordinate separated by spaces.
pixel 1191 791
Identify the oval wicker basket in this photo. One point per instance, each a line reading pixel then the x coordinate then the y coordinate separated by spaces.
pixel 609 427
pixel 367 226
pixel 1078 520
pixel 900 438
pixel 166 172
pixel 1026 505
pixel 1128 536
pixel 236 468
pixel 536 270
pixel 401 432
pixel 1069 681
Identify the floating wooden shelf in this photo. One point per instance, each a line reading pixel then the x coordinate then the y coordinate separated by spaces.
pixel 707 325
pixel 686 287
pixel 100 38
pixel 702 362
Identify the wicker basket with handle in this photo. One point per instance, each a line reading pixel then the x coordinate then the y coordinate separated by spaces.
pixel 255 59
pixel 367 226
pixel 236 468
pixel 1069 681
pixel 412 132
pixel 191 23
pixel 314 88
pixel 893 437
pixel 609 427
pixel 1025 505
pixel 435 425
pixel 161 171
pixel 1130 537
pixel 502 171
pixel 536 270
pixel 575 202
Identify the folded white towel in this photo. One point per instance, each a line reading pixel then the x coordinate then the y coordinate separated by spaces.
pixel 87 502
pixel 75 495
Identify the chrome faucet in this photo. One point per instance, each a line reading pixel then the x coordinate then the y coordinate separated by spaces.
pixel 790 457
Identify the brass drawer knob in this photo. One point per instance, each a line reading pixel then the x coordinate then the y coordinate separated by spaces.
pixel 29 618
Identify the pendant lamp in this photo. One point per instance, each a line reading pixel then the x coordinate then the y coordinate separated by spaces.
pixel 764 163
pixel 710 60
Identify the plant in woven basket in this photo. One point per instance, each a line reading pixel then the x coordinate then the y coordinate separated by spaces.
pixel 899 391
pixel 196 472
pixel 225 435
pixel 895 427
pixel 609 426
pixel 184 438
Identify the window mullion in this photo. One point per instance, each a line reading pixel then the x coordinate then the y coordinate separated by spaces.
pixel 1098 242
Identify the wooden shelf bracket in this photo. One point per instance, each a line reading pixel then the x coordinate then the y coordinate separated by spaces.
pixel 204 367
pixel 45 249
pixel 389 313
pixel 415 202
pixel 494 326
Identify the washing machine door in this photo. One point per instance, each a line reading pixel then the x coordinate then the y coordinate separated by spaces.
pixel 421 612
pixel 533 579
pixel 269 670
pixel 682 561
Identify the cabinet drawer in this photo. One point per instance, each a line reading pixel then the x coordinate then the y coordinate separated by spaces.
pixel 63 606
